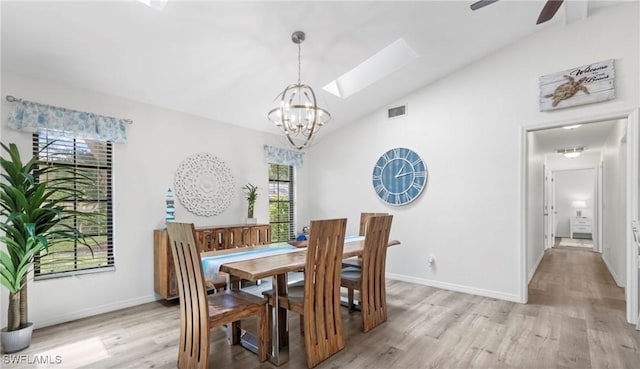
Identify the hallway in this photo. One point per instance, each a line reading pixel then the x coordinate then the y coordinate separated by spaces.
pixel 574 287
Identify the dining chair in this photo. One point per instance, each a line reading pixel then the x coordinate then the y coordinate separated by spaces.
pixel 200 312
pixel 356 262
pixel 370 279
pixel 317 299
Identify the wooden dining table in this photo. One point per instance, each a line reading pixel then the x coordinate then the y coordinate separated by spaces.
pixel 277 267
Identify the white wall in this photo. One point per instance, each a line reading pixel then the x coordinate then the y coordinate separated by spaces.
pixel 535 205
pixel 573 185
pixel 144 168
pixel 468 129
pixel 614 218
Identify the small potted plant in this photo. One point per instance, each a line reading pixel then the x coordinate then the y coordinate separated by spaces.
pixel 251 192
pixel 33 217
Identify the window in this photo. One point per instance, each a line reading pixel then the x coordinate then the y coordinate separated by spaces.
pixel 281 202
pixel 89 158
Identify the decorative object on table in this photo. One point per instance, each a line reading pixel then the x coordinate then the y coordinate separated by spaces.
pixel 204 184
pixel 298 114
pixel 399 176
pixel 303 236
pixel 251 192
pixel 170 208
pixel 586 84
pixel 34 217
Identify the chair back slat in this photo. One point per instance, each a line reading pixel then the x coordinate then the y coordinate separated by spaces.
pixel 323 323
pixel 194 311
pixel 364 218
pixel 373 293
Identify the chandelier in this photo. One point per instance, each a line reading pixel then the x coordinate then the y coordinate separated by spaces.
pixel 298 114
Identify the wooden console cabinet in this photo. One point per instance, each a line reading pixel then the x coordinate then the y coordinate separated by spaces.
pixel 209 239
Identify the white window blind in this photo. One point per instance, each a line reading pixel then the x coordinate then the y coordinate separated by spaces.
pixel 281 202
pixel 88 159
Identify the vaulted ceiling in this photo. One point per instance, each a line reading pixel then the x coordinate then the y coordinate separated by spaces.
pixel 228 60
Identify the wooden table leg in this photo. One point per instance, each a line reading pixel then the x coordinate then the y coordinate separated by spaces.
pixel 234 330
pixel 280 331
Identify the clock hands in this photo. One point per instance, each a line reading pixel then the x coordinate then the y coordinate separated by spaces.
pixel 400 174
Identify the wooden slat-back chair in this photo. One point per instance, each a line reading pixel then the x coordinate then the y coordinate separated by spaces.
pixel 318 300
pixel 370 279
pixel 364 219
pixel 199 312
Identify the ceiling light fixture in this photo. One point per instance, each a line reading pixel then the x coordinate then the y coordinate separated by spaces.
pixel 573 126
pixel 298 114
pixel 571 152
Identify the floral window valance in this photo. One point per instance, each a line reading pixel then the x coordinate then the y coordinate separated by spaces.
pixel 33 117
pixel 276 155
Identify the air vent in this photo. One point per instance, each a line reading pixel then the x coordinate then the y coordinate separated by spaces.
pixel 397 111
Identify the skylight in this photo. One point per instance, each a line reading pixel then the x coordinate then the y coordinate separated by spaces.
pixel 386 61
pixel 155 4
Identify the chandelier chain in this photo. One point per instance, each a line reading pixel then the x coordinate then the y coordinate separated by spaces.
pixel 299 63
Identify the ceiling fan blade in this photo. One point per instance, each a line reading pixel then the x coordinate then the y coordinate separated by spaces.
pixel 481 4
pixel 550 9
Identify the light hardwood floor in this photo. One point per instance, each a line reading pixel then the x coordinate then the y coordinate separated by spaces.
pixel 574 319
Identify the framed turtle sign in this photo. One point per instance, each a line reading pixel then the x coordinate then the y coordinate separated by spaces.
pixel 586 84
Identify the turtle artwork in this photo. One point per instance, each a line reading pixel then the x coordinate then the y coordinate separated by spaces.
pixel 567 90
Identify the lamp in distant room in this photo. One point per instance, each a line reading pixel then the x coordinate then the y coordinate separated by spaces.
pixel 579 205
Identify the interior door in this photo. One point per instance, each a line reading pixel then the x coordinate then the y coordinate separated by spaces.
pixel 633 188
pixel 553 224
pixel 545 207
pixel 549 229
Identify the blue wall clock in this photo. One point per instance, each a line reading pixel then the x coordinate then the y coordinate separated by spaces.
pixel 399 176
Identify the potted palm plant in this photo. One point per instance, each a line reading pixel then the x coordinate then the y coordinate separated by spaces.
pixel 33 217
pixel 251 192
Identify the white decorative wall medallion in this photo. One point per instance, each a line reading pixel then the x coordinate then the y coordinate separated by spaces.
pixel 204 184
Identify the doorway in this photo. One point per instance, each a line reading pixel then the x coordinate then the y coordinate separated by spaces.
pixel 574 219
pixel 617 165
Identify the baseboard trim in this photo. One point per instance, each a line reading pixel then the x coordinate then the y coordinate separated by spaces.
pixel 612 271
pixel 533 270
pixel 456 287
pixel 84 313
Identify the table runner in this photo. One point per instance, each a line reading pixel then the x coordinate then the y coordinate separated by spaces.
pixel 211 264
